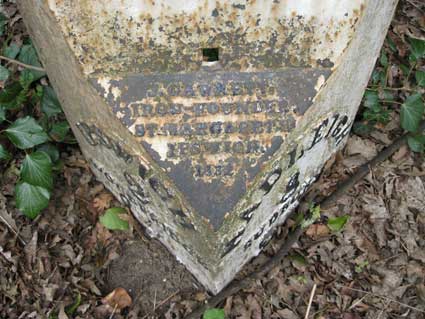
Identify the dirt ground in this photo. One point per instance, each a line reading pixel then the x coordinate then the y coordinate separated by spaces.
pixel 373 268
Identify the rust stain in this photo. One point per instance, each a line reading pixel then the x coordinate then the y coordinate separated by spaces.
pixel 154 38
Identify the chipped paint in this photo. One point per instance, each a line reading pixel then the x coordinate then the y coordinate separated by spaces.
pixel 167 35
pixel 312 56
pixel 105 83
pixel 320 82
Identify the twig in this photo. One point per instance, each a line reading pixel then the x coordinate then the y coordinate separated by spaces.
pixel 154 301
pixel 293 237
pixel 363 170
pixel 23 242
pixel 388 88
pixel 354 305
pixel 113 311
pixel 313 291
pixel 382 310
pixel 415 5
pixel 27 66
pixel 382 297
pixel 162 303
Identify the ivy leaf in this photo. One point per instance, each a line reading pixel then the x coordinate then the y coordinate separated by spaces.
pixel 4 154
pixel 59 131
pixel 337 223
pixel 31 199
pixel 383 59
pixel 376 75
pixel 391 44
pixel 28 55
pixel 371 99
pixel 25 79
pixel 4 73
pixel 362 129
pixel 26 133
pixel 405 69
pixel 111 219
pixel 214 313
pixel 50 150
pixel 12 96
pixel 37 170
pixel 49 102
pixel 411 113
pixel 11 51
pixel 420 78
pixel 416 143
pixel 418 48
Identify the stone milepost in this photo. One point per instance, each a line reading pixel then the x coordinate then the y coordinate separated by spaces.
pixel 209 119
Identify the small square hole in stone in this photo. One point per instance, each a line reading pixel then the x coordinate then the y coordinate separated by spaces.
pixel 210 55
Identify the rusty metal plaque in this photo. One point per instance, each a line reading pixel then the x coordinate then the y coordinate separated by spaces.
pixel 212 132
pixel 210 119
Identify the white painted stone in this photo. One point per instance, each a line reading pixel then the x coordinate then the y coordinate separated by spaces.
pixel 98 50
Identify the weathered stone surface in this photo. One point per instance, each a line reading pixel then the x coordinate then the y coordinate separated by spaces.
pixel 209 155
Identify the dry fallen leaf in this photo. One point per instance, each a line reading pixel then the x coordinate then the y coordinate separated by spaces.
pixel 102 202
pixel 400 153
pixel 118 299
pixel 359 146
pixel 62 314
pixel 317 230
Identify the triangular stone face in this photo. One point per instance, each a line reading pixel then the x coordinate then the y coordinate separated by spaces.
pixel 212 132
pixel 209 119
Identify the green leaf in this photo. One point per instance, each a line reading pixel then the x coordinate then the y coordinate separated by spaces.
pixel 11 51
pixel 371 99
pixel 4 154
pixel 387 95
pixel 362 129
pixel 70 310
pixel 376 75
pixel 31 199
pixel 405 69
pixel 383 59
pixel 298 259
pixel 28 55
pixel 49 103
pixel 37 170
pixel 411 113
pixel 50 150
pixel 391 44
pixel 420 78
pixel 214 313
pixel 337 223
pixel 4 73
pixel 26 133
pixel 111 219
pixel 314 216
pixel 418 48
pixel 361 266
pixel 25 79
pixel 12 96
pixel 59 131
pixel 416 143
pixel 2 114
